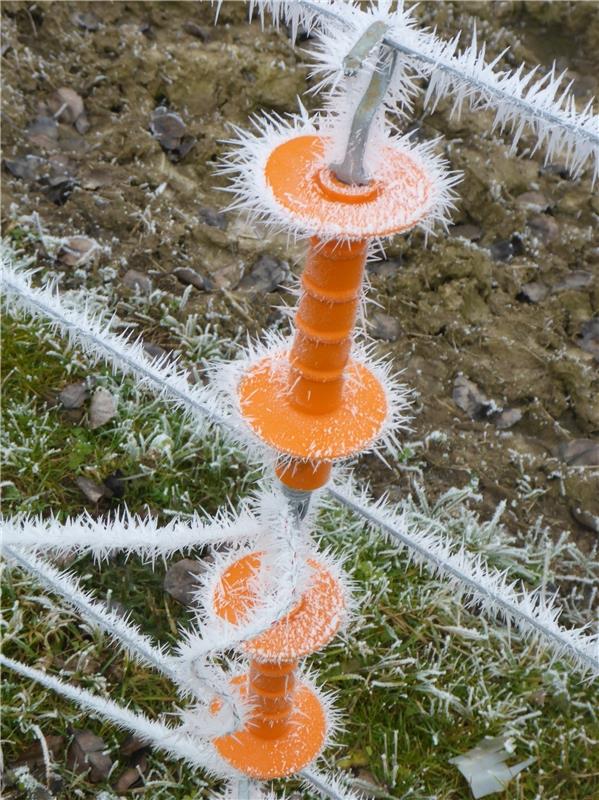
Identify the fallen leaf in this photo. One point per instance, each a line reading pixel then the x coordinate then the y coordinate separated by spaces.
pixel 102 408
pixel 133 775
pixel 87 753
pixel 74 395
pixel 181 579
pixel 484 766
pixel 34 755
pixel 78 250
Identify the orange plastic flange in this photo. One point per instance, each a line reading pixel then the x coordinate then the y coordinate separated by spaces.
pixel 255 752
pixel 308 627
pixel 310 196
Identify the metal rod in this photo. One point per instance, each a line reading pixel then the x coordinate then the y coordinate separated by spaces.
pixel 351 170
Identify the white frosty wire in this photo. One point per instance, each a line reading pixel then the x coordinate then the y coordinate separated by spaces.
pixel 545 105
pixel 207 682
pixel 489 588
pixel 126 531
pixel 175 742
pixel 527 609
pixel 329 785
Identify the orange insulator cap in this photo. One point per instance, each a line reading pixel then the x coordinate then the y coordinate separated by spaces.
pixel 308 627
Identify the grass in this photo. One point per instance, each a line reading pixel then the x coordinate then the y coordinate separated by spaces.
pixel 419 678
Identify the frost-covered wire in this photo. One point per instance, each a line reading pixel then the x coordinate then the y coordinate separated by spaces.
pixel 487 588
pixel 328 785
pixel 175 742
pixel 521 99
pixel 125 531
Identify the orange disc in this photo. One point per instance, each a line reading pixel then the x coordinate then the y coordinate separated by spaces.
pixel 265 759
pixel 308 193
pixel 267 408
pixel 307 628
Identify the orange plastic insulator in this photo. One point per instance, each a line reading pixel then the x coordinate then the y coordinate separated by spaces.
pixel 307 476
pixel 308 627
pixel 287 726
pixel 271 688
pixel 311 198
pixel 264 758
pixel 332 277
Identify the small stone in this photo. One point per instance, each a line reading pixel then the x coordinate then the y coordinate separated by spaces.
pixel 102 408
pixel 216 219
pixel 137 281
pixel 188 276
pixel 532 201
pixel 585 518
pixel 73 395
pixel 267 275
pixel 544 227
pixel 193 29
pixel 66 105
pixel 577 279
pixel 383 268
pixel 472 233
pixel 28 168
pixel 167 128
pixel 506 418
pixel 181 579
pixel 579 452
pixel 78 250
pixel 43 132
pixel 468 397
pixel 86 753
pixel 92 490
pixel 383 326
pixel 533 292
pixel 86 20
pixel 589 337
